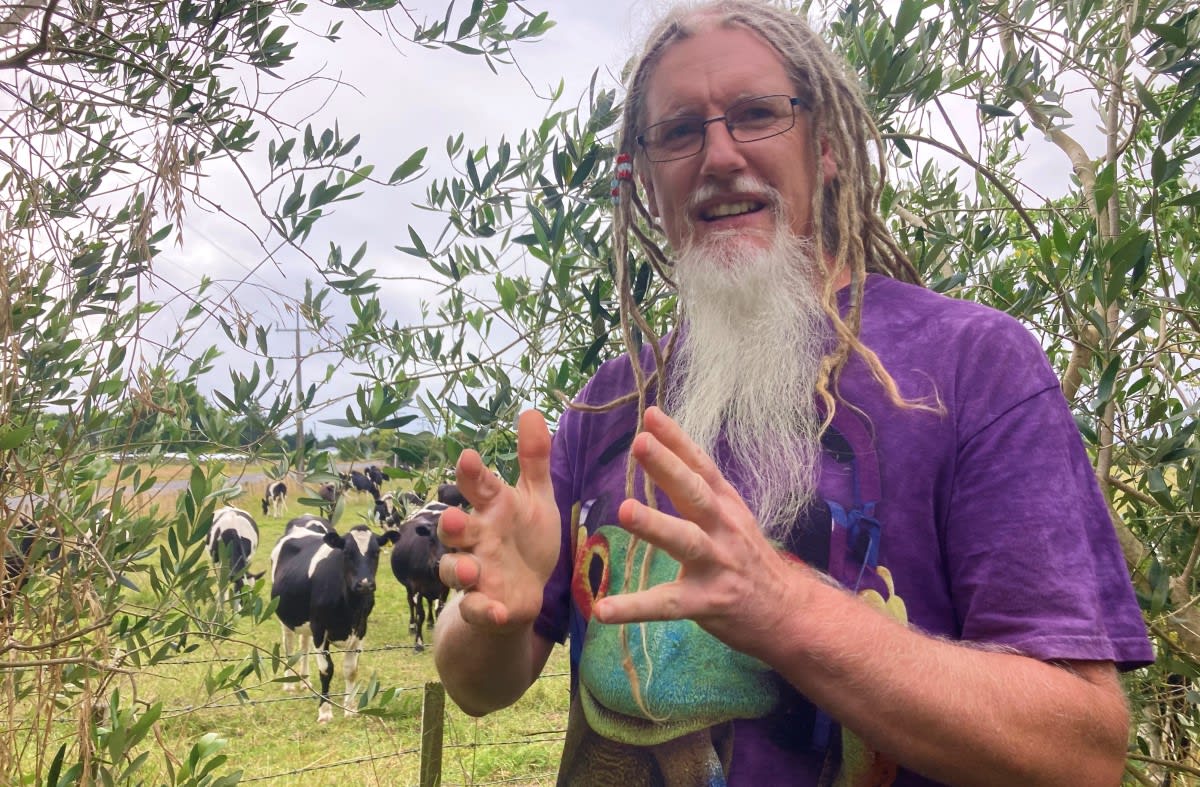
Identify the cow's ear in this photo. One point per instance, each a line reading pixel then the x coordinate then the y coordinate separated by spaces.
pixel 334 540
pixel 390 536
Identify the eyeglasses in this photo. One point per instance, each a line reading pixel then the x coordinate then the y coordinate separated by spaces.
pixel 748 121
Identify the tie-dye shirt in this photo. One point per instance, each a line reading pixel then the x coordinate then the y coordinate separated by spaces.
pixel 986 517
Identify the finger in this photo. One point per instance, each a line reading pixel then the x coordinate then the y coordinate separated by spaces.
pixel 669 433
pixel 661 602
pixel 475 480
pixel 454 529
pixel 693 496
pixel 681 539
pixel 459 570
pixel 477 609
pixel 533 450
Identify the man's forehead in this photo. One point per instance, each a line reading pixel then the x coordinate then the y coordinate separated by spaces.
pixel 714 67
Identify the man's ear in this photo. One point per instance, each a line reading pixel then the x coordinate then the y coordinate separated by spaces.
pixel 648 187
pixel 829 168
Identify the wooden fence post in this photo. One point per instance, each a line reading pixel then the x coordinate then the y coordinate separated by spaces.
pixel 433 723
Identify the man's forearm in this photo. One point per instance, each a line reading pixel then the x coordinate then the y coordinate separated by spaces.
pixel 950 711
pixel 485 671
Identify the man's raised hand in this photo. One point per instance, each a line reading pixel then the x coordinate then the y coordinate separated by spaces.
pixel 727 564
pixel 508 545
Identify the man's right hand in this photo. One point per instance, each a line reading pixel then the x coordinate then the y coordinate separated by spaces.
pixel 508 545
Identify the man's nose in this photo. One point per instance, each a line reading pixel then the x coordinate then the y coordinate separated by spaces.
pixel 722 153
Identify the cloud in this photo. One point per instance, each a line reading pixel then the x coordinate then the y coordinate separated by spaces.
pixel 399 98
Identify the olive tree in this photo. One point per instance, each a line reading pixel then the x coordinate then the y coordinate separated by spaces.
pixel 113 115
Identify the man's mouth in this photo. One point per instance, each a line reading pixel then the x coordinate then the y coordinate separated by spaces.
pixel 725 209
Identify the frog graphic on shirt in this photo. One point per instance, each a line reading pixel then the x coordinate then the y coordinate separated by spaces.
pixel 663 684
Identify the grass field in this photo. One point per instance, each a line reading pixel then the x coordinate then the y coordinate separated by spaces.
pixel 273 736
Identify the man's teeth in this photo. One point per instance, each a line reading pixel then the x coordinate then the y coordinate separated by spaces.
pixel 731 209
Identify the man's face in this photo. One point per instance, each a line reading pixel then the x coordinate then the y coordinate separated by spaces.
pixel 703 75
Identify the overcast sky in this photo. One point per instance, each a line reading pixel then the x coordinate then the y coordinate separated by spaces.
pixel 400 98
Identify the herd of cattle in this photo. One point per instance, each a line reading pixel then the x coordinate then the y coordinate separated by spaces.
pixel 325 580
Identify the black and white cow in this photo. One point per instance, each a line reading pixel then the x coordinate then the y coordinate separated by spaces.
pixel 415 557
pixel 376 475
pixel 449 494
pixel 27 547
pixel 275 498
pixel 311 522
pixel 325 584
pixel 383 511
pixel 359 482
pixel 234 534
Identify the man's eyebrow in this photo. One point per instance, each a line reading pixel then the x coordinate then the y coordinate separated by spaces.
pixel 677 113
pixel 683 111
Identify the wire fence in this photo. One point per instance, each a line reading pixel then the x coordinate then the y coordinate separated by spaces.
pixel 267 655
pixel 308 694
pixel 432 733
pixel 433 722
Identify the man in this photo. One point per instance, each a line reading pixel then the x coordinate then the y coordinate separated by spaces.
pixel 872 530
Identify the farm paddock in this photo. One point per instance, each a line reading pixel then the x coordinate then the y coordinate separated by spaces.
pixel 271 736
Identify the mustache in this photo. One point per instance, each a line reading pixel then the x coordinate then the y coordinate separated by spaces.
pixel 740 184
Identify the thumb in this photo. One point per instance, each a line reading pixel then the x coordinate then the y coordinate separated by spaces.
pixel 533 450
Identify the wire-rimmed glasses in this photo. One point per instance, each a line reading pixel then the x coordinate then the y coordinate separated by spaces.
pixel 748 120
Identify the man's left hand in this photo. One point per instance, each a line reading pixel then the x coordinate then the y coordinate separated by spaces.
pixel 727 565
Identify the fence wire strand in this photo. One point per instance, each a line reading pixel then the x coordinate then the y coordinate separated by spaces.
pixel 328 765
pixel 308 694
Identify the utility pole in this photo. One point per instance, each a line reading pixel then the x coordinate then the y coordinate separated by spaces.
pixel 299 397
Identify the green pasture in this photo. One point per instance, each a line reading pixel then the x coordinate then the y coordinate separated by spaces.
pixel 272 736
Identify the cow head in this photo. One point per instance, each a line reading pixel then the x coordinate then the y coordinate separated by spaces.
pixel 360 550
pixel 428 532
pixel 450 495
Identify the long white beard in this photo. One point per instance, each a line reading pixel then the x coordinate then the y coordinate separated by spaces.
pixel 748 363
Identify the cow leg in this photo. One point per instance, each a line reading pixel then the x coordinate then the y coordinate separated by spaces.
pixel 307 646
pixel 297 643
pixel 441 604
pixel 350 667
pixel 413 602
pixel 238 575
pixel 289 649
pixel 325 666
pixel 419 644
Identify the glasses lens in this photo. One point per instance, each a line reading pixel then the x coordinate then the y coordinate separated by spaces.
pixel 675 138
pixel 747 121
pixel 759 118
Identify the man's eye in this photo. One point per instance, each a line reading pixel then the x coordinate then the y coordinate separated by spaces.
pixel 675 133
pixel 753 116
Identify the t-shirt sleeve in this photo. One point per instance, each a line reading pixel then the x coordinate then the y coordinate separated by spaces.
pixel 1033 558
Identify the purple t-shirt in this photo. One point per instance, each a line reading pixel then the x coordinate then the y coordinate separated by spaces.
pixel 987 515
